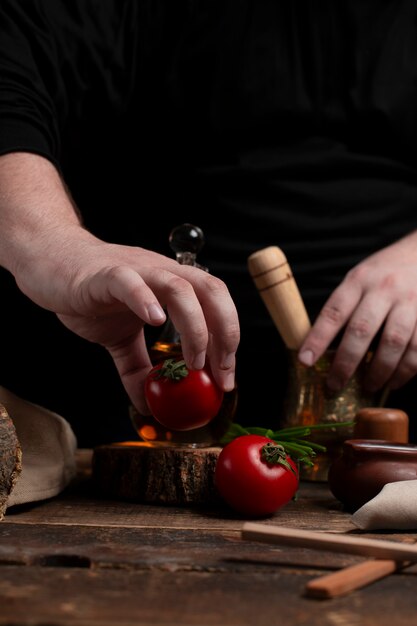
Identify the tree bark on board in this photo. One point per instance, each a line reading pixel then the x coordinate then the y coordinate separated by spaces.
pixel 10 458
pixel 163 475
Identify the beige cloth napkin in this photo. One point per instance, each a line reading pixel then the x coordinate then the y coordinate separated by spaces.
pixel 48 450
pixel 395 507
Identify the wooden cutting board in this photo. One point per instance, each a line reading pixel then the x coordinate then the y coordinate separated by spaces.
pixel 141 472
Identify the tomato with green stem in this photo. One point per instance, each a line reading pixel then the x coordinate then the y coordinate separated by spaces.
pixel 182 399
pixel 255 476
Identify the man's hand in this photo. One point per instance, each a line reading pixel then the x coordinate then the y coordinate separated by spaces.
pixel 379 294
pixel 103 292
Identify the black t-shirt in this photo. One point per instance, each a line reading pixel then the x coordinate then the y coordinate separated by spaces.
pixel 265 123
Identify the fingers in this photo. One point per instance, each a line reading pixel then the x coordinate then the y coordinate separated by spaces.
pixel 361 328
pixel 395 359
pixel 205 316
pixel 332 318
pixel 363 314
pixel 124 284
pixel 199 305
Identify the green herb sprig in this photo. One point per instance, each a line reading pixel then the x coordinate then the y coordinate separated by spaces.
pixel 291 439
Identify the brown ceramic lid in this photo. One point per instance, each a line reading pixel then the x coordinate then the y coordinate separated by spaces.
pixel 381 423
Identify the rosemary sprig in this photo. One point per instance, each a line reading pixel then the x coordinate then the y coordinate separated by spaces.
pixel 291 439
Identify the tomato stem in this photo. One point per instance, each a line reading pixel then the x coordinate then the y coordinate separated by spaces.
pixel 274 454
pixel 173 369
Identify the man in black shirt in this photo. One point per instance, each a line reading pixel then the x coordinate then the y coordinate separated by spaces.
pixel 262 123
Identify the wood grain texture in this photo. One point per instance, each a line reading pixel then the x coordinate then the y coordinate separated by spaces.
pixel 65 596
pixel 10 458
pixel 182 549
pixel 276 285
pixel 162 475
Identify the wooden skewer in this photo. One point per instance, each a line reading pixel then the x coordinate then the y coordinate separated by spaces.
pixel 349 544
pixel 351 578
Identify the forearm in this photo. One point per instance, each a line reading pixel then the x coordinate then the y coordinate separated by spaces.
pixel 33 204
pixel 38 221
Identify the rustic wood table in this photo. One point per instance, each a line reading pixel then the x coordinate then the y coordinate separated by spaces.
pixel 79 559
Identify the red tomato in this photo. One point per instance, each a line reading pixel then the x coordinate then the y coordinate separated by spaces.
pixel 250 484
pixel 182 399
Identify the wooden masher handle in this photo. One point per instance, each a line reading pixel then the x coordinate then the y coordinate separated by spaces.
pixel 275 282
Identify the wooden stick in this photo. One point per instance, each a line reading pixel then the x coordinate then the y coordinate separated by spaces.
pixel 276 285
pixel 349 544
pixel 350 578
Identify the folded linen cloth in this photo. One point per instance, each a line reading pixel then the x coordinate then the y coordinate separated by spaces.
pixel 48 447
pixel 394 507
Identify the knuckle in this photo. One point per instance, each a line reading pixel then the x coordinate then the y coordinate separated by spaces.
pixel 359 329
pixel 332 313
pixel 411 296
pixel 395 340
pixel 232 336
pixel 357 274
pixel 214 285
pixel 178 285
pixel 389 282
pixel 113 273
pixel 200 335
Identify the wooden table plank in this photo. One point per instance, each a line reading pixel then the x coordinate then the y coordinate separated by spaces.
pixel 68 597
pixel 152 548
pixel 315 509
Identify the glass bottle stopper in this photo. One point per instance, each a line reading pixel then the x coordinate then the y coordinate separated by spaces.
pixel 186 241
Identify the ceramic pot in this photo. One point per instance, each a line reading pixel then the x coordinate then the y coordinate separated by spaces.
pixel 366 465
